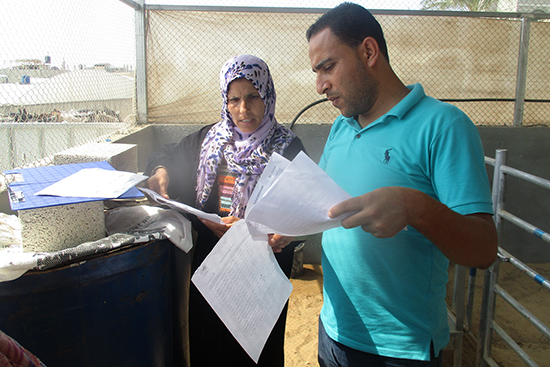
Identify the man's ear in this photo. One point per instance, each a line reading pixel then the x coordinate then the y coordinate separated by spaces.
pixel 369 51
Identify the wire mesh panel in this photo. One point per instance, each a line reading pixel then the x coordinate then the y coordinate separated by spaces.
pixel 66 76
pixel 186 51
pixel 468 60
pixel 458 59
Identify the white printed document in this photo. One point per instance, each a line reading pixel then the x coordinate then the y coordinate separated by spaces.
pixel 94 183
pixel 244 284
pixel 294 198
pixel 240 278
pixel 179 207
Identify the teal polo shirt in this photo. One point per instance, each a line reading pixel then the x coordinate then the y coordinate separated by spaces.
pixel 387 296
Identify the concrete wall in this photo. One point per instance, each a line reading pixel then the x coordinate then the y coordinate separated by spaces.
pixel 23 143
pixel 527 151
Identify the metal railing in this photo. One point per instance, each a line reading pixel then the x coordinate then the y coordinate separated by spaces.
pixel 492 289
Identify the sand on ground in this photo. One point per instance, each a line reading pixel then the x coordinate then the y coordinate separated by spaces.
pixel 306 301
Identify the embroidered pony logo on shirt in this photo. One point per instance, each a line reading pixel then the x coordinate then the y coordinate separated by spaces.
pixel 387 156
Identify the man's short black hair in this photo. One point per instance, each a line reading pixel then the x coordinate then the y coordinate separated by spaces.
pixel 350 23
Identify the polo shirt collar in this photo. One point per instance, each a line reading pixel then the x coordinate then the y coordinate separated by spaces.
pixel 398 111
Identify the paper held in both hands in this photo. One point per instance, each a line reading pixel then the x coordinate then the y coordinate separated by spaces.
pixel 240 278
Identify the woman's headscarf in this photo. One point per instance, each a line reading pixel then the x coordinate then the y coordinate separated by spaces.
pixel 246 154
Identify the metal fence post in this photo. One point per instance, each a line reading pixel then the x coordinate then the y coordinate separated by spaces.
pixel 521 79
pixel 499 178
pixel 141 65
pixel 491 274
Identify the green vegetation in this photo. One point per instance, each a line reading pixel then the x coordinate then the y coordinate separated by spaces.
pixel 463 5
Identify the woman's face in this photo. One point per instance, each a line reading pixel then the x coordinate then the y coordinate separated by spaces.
pixel 245 105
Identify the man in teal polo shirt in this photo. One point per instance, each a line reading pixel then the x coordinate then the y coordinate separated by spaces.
pixel 421 197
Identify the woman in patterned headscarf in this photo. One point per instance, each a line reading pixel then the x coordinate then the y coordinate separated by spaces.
pixel 215 170
pixel 244 139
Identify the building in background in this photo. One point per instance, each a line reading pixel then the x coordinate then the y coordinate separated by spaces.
pixel 524 6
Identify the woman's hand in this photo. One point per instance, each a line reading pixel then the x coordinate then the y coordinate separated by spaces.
pixel 159 182
pixel 219 229
pixel 278 242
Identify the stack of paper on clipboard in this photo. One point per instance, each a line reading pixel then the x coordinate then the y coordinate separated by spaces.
pixel 61 206
pixel 41 187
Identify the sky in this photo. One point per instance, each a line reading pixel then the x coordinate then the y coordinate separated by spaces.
pixel 87 32
pixel 74 31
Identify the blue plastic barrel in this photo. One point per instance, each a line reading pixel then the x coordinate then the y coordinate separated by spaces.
pixel 112 310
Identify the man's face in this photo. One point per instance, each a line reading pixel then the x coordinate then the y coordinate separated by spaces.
pixel 341 75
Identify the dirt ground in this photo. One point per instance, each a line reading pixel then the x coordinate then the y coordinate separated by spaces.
pixel 306 300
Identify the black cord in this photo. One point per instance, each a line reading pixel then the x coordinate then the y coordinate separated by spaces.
pixel 442 99
pixel 305 109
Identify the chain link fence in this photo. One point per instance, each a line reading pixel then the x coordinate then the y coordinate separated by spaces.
pixel 66 76
pixel 469 59
pixel 67 68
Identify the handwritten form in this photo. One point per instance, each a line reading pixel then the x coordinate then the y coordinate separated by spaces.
pixel 240 278
pixel 243 283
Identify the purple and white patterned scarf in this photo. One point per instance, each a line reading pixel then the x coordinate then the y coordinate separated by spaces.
pixel 246 154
